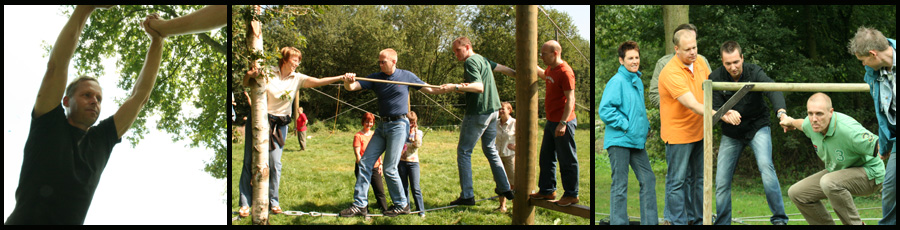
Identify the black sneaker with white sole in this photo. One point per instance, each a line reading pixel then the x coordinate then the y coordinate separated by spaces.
pixel 396 211
pixel 354 211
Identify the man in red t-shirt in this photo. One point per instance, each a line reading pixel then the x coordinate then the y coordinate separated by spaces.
pixel 301 128
pixel 559 131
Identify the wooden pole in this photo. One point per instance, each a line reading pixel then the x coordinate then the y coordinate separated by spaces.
pixel 260 181
pixel 526 118
pixel 707 152
pixel 794 87
pixel 396 82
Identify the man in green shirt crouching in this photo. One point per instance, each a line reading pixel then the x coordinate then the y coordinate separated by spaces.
pixel 852 167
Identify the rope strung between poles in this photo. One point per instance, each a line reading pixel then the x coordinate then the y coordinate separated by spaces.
pixel 564 34
pixel 301 213
pixel 345 111
pixel 740 220
pixel 442 107
pixel 376 115
pixel 318 214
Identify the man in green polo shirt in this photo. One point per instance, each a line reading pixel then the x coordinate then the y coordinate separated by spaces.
pixel 851 167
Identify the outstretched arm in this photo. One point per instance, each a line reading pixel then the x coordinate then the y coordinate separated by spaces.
pixel 350 83
pixel 505 70
pixel 202 20
pixel 54 83
pixel 316 82
pixel 129 110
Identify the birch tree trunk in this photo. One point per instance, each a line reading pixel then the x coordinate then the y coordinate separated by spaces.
pixel 260 150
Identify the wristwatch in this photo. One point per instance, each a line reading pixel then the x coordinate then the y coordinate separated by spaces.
pixel 457 87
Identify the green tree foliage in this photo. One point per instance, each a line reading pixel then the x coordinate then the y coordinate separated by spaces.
pixel 192 74
pixel 339 39
pixel 791 43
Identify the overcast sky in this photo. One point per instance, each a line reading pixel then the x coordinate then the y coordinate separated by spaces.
pixel 157 182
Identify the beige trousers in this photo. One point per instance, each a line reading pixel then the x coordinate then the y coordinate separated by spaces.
pixel 839 188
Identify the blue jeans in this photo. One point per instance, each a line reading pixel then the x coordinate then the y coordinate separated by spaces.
pixel 729 152
pixel 560 148
pixel 482 126
pixel 247 170
pixel 889 193
pixel 409 175
pixel 684 183
pixel 388 139
pixel 619 159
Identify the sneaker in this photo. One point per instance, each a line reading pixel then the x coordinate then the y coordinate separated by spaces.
pixel 395 211
pixel 244 212
pixel 276 210
pixel 462 201
pixel 508 194
pixel 353 211
pixel 539 196
pixel 566 201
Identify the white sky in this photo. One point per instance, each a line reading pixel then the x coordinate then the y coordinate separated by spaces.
pixel 141 185
pixel 581 17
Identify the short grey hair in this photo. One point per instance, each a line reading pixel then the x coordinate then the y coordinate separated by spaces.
pixel 72 86
pixel 867 39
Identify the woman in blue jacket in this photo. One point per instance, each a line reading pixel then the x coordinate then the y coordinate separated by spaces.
pixel 622 109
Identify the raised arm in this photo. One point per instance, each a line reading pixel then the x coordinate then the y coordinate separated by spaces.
pixel 54 83
pixel 202 20
pixel 129 110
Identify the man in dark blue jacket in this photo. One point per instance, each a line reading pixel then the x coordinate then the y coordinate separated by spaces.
pixel 752 129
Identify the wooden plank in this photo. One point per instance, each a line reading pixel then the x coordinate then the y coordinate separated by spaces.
pixel 575 209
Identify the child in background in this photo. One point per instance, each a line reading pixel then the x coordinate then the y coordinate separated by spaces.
pixel 409 163
pixel 360 141
pixel 506 146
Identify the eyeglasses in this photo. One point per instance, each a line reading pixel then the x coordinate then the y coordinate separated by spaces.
pixel 382 62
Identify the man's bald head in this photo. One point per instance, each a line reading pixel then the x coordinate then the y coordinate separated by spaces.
pixel 551 52
pixel 552 45
pixel 820 98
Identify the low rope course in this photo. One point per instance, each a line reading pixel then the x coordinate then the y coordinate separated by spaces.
pixel 318 214
pixel 741 220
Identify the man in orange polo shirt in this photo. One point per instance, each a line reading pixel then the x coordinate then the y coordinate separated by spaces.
pixel 681 118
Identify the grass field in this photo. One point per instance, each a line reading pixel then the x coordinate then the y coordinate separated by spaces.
pixel 748 199
pixel 321 179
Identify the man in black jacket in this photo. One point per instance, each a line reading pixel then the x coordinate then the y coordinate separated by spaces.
pixel 752 128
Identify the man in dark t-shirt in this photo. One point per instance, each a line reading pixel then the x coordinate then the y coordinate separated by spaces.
pixel 392 132
pixel 64 154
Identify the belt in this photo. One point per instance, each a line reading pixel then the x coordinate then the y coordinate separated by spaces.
pixel 389 119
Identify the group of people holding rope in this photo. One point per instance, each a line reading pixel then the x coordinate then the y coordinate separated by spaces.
pixel 850 152
pixel 395 134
